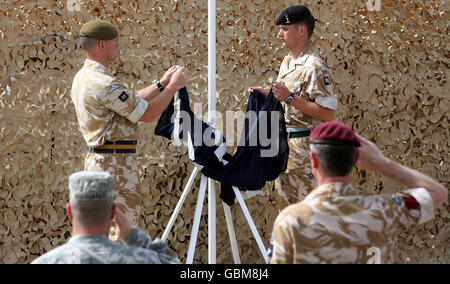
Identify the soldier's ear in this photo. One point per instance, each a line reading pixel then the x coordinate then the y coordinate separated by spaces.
pixel 69 211
pixel 302 30
pixel 356 158
pixel 101 44
pixel 314 160
pixel 113 211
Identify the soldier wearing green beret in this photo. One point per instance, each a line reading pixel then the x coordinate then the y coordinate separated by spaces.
pixel 108 112
pixel 91 208
pixel 305 88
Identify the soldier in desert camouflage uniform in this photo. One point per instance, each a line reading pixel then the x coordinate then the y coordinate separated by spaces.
pixel 335 223
pixel 108 112
pixel 91 208
pixel 304 86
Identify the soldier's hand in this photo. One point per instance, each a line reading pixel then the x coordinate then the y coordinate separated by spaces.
pixel 178 80
pixel 123 226
pixel 259 89
pixel 167 76
pixel 280 91
pixel 370 157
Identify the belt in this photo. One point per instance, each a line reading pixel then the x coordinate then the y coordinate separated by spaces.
pixel 298 132
pixel 116 147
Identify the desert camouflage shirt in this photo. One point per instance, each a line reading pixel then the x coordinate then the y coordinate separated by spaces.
pixel 106 109
pixel 336 224
pixel 308 77
pixel 84 249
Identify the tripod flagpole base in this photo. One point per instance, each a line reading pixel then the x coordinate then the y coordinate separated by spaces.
pixel 206 182
pixel 231 233
pixel 185 193
pixel 251 224
pixel 212 221
pixel 196 225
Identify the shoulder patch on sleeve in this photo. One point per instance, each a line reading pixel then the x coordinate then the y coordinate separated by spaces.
pixel 123 96
pixel 397 199
pixel 410 202
pixel 113 88
pixel 270 249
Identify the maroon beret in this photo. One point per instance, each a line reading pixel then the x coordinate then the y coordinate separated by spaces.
pixel 334 133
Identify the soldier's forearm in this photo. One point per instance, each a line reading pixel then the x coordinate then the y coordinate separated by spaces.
pixel 149 92
pixel 414 179
pixel 138 238
pixel 158 104
pixel 312 109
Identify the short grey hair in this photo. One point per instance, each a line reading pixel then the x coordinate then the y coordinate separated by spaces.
pixel 336 160
pixel 88 43
pixel 92 213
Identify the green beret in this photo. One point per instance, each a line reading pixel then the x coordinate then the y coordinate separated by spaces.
pixel 91 186
pixel 99 29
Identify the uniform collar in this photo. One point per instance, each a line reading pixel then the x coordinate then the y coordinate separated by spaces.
pixel 94 65
pixel 333 189
pixel 303 56
pixel 300 61
pixel 88 239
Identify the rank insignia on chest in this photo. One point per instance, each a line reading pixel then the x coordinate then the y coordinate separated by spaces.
pixel 327 81
pixel 123 97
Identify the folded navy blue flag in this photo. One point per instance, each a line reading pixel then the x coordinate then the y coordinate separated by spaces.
pixel 260 157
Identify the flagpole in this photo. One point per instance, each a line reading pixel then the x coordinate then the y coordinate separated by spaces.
pixel 212 120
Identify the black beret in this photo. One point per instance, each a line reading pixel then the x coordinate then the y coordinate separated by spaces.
pixel 293 15
pixel 99 29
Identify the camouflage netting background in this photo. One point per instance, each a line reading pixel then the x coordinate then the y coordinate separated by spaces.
pixel 390 70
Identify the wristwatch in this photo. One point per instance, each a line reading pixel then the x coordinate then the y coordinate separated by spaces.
pixel 158 83
pixel 289 100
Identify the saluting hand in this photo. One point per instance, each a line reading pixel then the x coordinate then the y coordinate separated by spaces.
pixel 370 157
pixel 280 91
pixel 123 226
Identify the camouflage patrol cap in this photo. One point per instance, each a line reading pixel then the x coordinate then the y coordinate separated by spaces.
pixel 91 186
pixel 334 133
pixel 293 15
pixel 99 29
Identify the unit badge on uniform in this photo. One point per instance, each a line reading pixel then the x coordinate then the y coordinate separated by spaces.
pixel 397 199
pixel 113 88
pixel 270 250
pixel 327 81
pixel 123 97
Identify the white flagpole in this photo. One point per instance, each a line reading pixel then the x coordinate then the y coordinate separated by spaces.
pixel 212 120
pixel 212 61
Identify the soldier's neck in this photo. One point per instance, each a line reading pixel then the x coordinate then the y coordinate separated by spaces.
pixel 334 180
pixel 98 59
pixel 298 49
pixel 78 230
pixel 323 179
